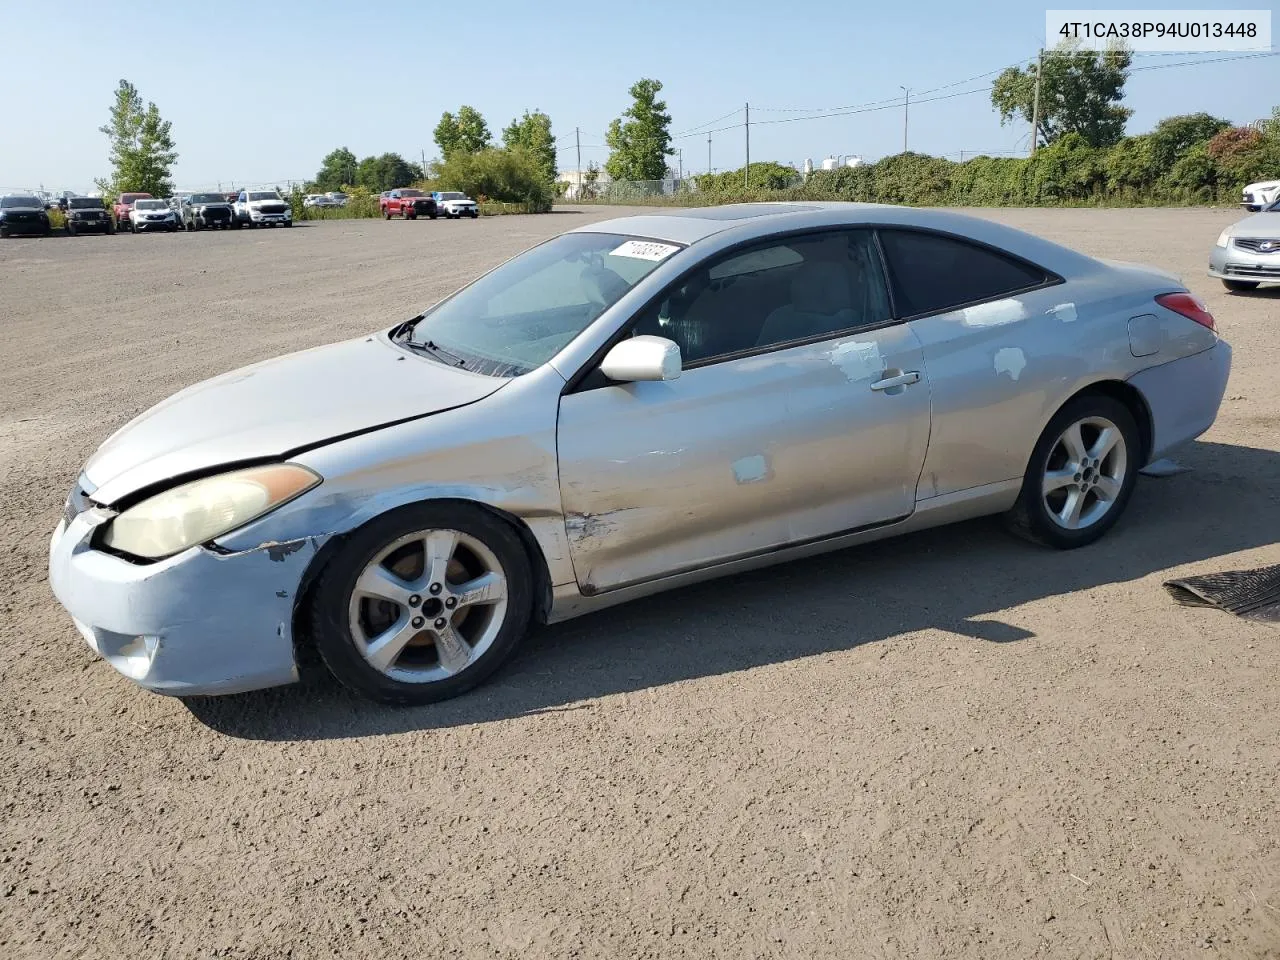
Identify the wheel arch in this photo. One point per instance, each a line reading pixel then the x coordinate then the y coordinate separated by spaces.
pixel 537 560
pixel 1133 400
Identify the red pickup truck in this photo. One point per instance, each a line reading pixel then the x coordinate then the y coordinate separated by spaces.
pixel 407 203
pixel 123 204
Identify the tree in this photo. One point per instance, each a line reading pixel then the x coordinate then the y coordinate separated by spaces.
pixel 465 133
pixel 337 169
pixel 1080 92
pixel 142 148
pixel 532 133
pixel 508 175
pixel 1173 136
pixel 640 140
pixel 386 172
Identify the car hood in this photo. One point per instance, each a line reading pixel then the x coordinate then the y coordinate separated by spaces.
pixel 23 209
pixel 1262 185
pixel 276 408
pixel 258 203
pixel 1264 225
pixel 472 202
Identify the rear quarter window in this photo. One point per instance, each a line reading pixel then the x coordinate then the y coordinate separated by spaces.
pixel 933 273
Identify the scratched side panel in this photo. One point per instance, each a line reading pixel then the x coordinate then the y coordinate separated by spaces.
pixel 1001 370
pixel 739 457
pixel 500 452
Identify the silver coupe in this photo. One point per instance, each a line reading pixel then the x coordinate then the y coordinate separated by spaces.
pixel 623 409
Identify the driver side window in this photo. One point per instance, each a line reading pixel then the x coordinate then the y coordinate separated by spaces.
pixel 782 291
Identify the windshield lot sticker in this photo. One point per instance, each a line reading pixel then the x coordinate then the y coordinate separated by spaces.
pixel 644 250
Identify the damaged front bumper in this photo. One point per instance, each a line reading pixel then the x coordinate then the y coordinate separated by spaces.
pixel 197 623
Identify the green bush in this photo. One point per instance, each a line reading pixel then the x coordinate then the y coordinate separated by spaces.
pixel 1192 159
pixel 505 175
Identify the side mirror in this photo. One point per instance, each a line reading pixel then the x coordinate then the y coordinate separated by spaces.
pixel 642 358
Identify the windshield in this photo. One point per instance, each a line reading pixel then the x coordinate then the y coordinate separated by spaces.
pixel 453 196
pixel 523 313
pixel 1274 207
pixel 412 193
pixel 84 203
pixel 20 202
pixel 151 205
pixel 131 197
pixel 207 198
pixel 264 196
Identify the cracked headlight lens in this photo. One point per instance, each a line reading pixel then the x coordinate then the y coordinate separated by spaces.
pixel 199 511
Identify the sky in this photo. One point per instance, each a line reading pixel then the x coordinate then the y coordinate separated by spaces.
pixel 259 92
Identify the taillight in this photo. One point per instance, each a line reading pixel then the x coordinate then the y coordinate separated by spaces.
pixel 1189 306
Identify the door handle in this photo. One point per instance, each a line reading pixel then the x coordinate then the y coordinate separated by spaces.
pixel 901 380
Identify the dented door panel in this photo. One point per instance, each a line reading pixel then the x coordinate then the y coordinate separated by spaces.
pixel 740 457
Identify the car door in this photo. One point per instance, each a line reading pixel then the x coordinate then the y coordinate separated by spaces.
pixel 802 412
pixel 992 328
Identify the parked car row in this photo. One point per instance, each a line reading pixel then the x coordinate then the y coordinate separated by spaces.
pixel 412 204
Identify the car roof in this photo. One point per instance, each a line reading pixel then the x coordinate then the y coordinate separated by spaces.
pixel 748 221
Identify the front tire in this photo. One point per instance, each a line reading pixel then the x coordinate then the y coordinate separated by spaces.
pixel 422 604
pixel 1080 476
pixel 1240 286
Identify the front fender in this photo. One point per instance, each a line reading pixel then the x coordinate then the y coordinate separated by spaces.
pixel 499 452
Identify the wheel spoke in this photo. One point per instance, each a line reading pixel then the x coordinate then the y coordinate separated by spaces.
pixel 1057 479
pixel 487 588
pixel 1074 442
pixel 438 546
pixel 384 649
pixel 1107 489
pixel 1070 512
pixel 453 651
pixel 1107 439
pixel 379 582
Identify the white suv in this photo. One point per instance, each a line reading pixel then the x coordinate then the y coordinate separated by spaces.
pixel 262 208
pixel 453 204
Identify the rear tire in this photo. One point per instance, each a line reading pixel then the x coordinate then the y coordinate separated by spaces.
pixel 1080 475
pixel 1240 286
pixel 408 600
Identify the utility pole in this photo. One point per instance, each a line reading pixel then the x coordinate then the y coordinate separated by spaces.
pixel 680 156
pixel 577 139
pixel 906 108
pixel 424 162
pixel 708 153
pixel 1035 106
pixel 746 170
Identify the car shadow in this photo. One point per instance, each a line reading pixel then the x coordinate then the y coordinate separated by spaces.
pixel 952 578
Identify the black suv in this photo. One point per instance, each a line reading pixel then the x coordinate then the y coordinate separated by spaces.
pixel 201 210
pixel 23 213
pixel 87 215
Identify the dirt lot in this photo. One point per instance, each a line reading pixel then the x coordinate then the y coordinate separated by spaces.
pixel 951 745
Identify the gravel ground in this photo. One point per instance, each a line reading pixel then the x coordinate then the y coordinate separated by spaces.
pixel 956 745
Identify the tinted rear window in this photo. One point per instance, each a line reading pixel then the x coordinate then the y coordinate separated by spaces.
pixel 933 273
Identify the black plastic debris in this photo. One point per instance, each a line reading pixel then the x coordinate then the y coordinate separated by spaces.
pixel 1252 594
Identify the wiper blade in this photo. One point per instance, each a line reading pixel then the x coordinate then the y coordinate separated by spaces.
pixel 435 349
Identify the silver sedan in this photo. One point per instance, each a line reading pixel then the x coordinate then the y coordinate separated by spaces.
pixel 626 408
pixel 1247 253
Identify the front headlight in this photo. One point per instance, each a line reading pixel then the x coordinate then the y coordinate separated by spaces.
pixel 1223 237
pixel 202 510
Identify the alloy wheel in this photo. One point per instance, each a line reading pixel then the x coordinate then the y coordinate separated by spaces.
pixel 1085 473
pixel 428 605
